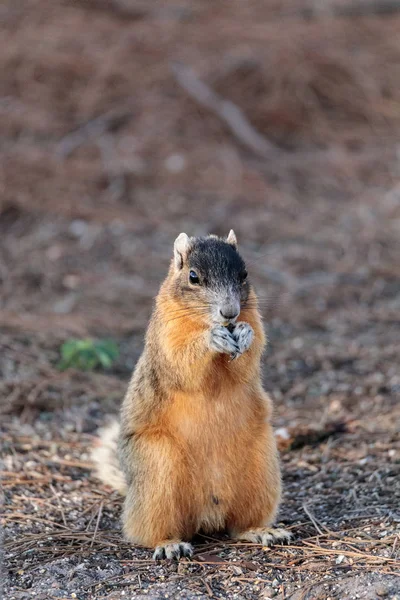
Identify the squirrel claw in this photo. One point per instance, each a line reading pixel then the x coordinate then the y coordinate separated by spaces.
pixel 222 341
pixel 267 536
pixel 243 335
pixel 173 550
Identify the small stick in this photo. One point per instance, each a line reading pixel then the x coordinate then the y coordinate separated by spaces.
pixel 59 505
pixel 312 518
pixel 91 130
pixel 116 185
pixel 97 524
pixel 23 517
pixel 226 110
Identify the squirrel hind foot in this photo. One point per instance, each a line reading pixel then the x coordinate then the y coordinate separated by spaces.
pixel 173 550
pixel 267 536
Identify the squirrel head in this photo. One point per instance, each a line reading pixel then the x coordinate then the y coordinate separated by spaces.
pixel 209 277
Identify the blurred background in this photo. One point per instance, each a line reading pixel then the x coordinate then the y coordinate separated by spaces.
pixel 109 152
pixel 126 122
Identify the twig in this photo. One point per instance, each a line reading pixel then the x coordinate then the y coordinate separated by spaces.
pixel 312 518
pixel 358 8
pixel 208 589
pixel 122 9
pixel 59 505
pixel 79 464
pixel 116 178
pixel 225 110
pixel 318 550
pixel 242 129
pixel 22 517
pixel 138 10
pixel 91 130
pixel 97 524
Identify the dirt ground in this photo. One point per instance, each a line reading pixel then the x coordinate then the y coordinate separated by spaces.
pixel 105 158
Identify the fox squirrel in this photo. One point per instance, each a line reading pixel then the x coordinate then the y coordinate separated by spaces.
pixel 195 449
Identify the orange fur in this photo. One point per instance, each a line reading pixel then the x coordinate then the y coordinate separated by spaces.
pixel 208 456
pixel 195 444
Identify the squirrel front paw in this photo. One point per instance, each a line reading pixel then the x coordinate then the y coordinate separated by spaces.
pixel 243 334
pixel 221 340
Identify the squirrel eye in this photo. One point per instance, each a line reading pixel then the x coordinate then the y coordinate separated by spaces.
pixel 243 276
pixel 193 278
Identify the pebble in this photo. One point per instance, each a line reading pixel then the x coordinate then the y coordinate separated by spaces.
pixel 268 592
pixel 340 559
pixel 175 163
pixel 78 228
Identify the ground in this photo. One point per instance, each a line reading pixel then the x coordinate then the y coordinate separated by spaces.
pixel 105 159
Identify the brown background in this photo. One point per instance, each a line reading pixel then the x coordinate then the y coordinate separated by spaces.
pixel 105 158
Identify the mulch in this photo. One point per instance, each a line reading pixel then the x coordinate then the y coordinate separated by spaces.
pixel 106 158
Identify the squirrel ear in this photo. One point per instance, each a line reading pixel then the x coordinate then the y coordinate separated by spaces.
pixel 181 249
pixel 231 239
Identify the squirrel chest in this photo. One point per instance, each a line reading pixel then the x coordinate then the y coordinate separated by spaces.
pixel 215 434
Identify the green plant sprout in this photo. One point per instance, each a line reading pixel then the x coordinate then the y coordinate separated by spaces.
pixel 87 354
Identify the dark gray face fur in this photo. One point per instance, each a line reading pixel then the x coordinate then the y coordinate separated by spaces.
pixel 222 287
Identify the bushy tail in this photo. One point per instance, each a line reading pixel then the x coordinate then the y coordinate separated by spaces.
pixel 105 458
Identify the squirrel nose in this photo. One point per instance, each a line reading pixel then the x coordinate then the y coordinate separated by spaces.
pixel 228 314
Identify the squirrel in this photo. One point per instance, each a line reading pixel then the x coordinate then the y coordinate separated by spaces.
pixel 195 449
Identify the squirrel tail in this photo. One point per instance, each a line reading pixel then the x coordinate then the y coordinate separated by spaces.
pixel 105 458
